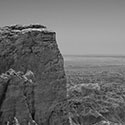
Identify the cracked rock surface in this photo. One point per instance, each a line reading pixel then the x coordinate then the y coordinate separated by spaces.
pixel 32 75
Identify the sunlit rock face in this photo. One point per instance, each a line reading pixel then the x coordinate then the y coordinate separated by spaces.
pixel 31 51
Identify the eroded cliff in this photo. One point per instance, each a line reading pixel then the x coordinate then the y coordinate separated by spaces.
pixel 32 52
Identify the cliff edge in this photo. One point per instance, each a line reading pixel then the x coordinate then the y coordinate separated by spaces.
pixel 32 76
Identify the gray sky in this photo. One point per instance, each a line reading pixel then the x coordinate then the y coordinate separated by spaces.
pixel 82 26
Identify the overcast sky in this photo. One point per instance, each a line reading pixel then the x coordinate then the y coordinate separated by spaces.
pixel 82 26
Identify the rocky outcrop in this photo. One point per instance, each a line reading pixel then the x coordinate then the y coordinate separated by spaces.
pixel 38 80
pixel 97 104
pixel 17 98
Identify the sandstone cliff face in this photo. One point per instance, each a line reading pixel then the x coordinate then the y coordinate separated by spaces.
pixel 30 48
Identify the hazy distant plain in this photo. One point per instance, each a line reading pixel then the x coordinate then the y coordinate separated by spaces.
pixel 88 62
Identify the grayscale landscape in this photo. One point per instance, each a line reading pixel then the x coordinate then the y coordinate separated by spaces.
pixel 62 62
pixel 106 102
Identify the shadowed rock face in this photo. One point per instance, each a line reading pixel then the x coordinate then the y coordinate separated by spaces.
pixel 16 98
pixel 30 48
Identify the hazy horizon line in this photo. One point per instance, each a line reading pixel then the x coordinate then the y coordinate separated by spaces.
pixel 93 55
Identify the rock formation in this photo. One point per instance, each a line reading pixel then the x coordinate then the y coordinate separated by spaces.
pixel 97 104
pixel 32 76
